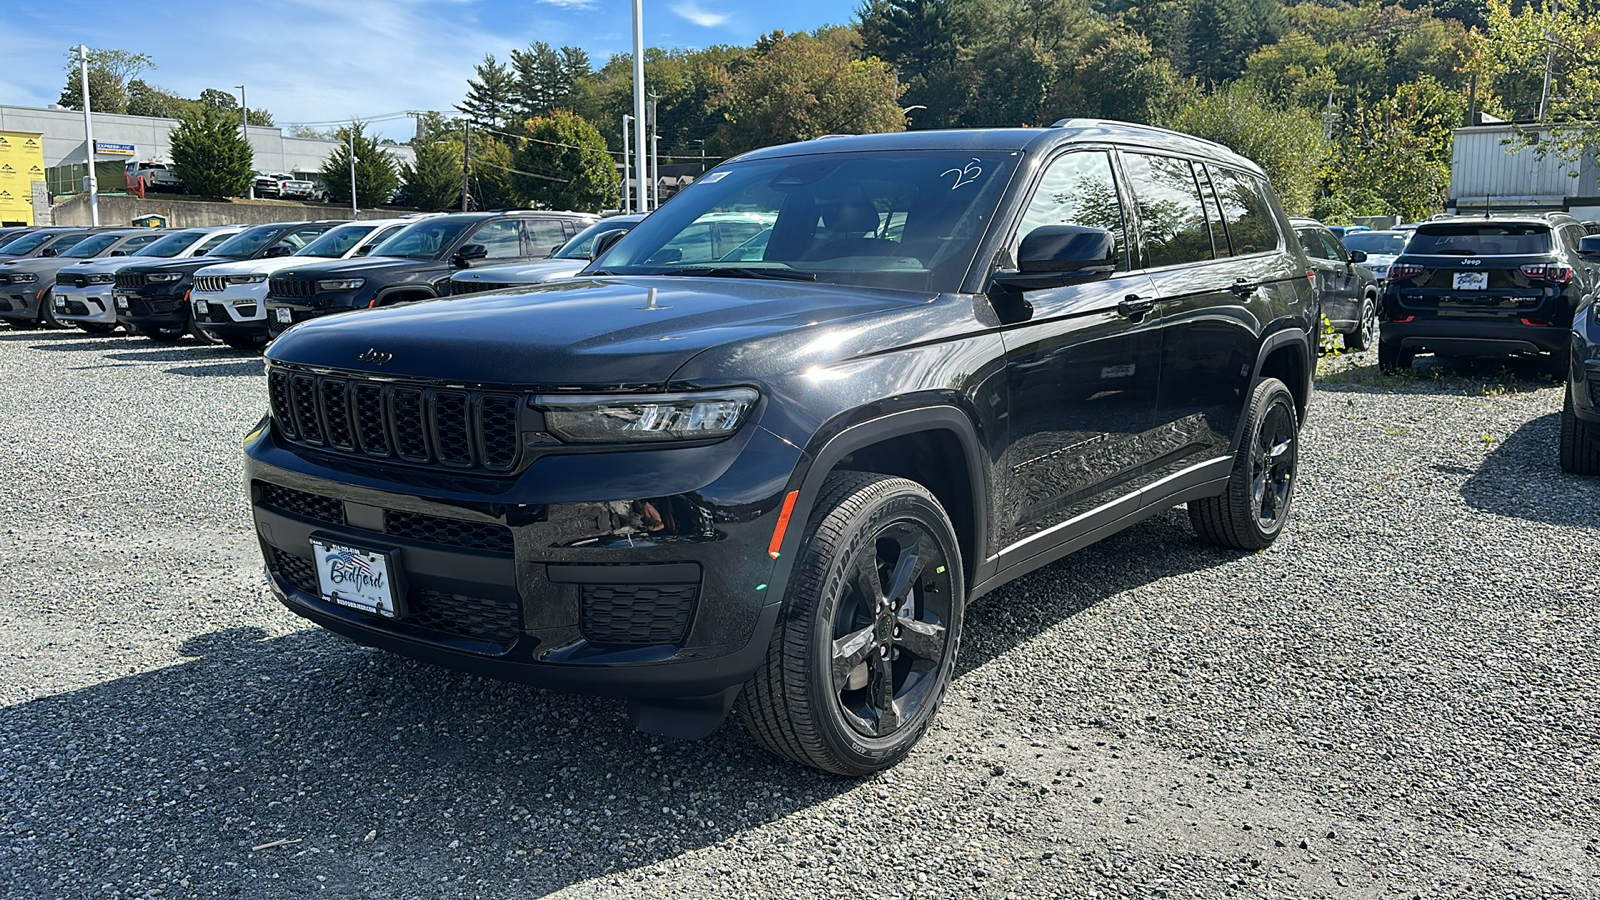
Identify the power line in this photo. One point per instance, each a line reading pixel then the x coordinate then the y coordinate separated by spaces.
pixel 523 137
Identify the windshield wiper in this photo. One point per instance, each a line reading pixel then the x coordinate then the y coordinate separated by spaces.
pixel 743 272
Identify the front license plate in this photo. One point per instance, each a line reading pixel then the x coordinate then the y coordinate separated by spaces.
pixel 122 302
pixel 202 307
pixel 359 579
pixel 1471 281
pixel 284 315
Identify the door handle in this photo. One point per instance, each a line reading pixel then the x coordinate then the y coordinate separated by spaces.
pixel 1243 288
pixel 1133 306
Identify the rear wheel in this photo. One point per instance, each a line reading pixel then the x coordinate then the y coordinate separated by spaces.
pixel 1251 513
pixel 47 313
pixel 872 621
pixel 1366 333
pixel 1580 441
pixel 1393 359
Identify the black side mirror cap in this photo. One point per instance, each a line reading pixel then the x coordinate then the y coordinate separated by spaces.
pixel 468 253
pixel 1057 255
pixel 604 241
pixel 1358 256
pixel 48 251
pixel 277 250
pixel 118 253
pixel 1589 247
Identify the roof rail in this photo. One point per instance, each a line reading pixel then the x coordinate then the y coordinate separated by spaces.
pixel 1090 123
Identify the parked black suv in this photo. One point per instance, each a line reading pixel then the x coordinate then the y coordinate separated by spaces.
pixel 1485 287
pixel 1347 290
pixel 1580 409
pixel 415 264
pixel 152 298
pixel 686 482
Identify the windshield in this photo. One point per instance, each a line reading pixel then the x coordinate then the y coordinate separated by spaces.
pixel 579 246
pixel 29 242
pixel 91 247
pixel 336 243
pixel 249 243
pixel 428 239
pixel 1386 242
pixel 900 219
pixel 168 246
pixel 1481 239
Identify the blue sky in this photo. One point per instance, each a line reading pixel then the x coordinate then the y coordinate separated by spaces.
pixel 325 60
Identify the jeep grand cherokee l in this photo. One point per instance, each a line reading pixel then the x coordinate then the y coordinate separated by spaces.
pixel 776 483
pixel 1485 287
pixel 153 298
pixel 416 263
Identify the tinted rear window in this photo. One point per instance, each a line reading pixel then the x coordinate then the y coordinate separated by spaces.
pixel 1480 239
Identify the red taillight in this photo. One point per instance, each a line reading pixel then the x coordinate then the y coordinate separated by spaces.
pixel 1535 323
pixel 1404 270
pixel 1552 273
pixel 1402 319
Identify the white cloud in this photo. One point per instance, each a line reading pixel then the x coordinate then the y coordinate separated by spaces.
pixel 570 4
pixel 699 15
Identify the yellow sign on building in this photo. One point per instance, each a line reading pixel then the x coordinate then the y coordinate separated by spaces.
pixel 21 164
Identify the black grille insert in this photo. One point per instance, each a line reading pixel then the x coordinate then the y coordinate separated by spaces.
pixel 439 530
pixel 297 288
pixel 300 503
pixel 300 573
pixel 496 621
pixel 129 282
pixel 637 613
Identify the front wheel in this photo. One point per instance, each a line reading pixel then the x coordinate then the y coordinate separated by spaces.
pixel 1251 513
pixel 872 621
pixel 1366 333
pixel 1580 441
pixel 162 335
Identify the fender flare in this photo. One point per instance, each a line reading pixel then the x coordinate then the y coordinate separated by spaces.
pixel 385 293
pixel 1288 336
pixel 823 458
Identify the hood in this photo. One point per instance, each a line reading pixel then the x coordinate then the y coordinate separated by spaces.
pixel 188 266
pixel 590 334
pixel 1380 259
pixel 258 266
pixel 365 265
pixel 103 264
pixel 528 273
pixel 38 264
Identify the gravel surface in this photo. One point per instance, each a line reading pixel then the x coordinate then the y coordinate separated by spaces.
pixel 1398 699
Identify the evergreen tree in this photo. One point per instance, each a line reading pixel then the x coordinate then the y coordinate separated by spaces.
pixel 209 155
pixel 491 94
pixel 491 174
pixel 434 179
pixel 377 175
pixel 1218 41
pixel 569 164
pixel 540 80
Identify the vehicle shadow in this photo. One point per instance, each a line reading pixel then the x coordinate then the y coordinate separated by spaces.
pixel 42 334
pixel 102 342
pixel 220 369
pixel 1522 478
pixel 1462 376
pixel 373 773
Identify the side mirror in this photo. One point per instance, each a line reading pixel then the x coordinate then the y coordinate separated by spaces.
pixel 604 241
pixel 118 253
pixel 1589 247
pixel 1358 256
pixel 468 253
pixel 1057 255
pixel 48 251
pixel 554 250
pixel 277 250
pixel 364 249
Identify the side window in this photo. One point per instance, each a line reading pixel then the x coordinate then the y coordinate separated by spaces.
pixel 544 235
pixel 1244 206
pixel 1169 209
pixel 1078 189
pixel 139 240
pixel 1336 250
pixel 1219 234
pixel 1312 242
pixel 502 239
pixel 304 236
pixel 213 241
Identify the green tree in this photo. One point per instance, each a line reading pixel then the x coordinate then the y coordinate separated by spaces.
pixel 563 164
pixel 1286 142
pixel 541 80
pixel 434 179
pixel 1219 37
pixel 145 99
pixel 491 173
pixel 1118 77
pixel 1395 156
pixel 491 94
pixel 209 155
pixel 377 175
pixel 804 86
pixel 110 72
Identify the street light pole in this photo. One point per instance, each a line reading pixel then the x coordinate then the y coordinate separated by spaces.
pixel 466 165
pixel 638 100
pixel 88 138
pixel 355 211
pixel 627 167
pixel 244 129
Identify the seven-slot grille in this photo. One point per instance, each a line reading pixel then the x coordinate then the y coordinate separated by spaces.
pixel 130 282
pixel 457 428
pixel 473 287
pixel 211 284
pixel 291 287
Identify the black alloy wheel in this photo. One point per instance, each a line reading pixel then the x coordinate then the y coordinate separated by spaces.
pixel 1274 453
pixel 1366 333
pixel 1251 512
pixel 866 650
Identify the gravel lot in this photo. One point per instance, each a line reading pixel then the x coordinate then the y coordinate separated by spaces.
pixel 1398 699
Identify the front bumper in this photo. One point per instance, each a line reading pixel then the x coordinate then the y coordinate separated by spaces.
pixel 238 311
pixel 1496 336
pixel 147 311
pixel 619 574
pixel 84 304
pixel 22 301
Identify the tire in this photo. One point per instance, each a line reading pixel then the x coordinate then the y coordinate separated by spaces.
pixel 823 697
pixel 47 313
pixel 1251 513
pixel 1366 333
pixel 200 337
pixel 1392 359
pixel 245 343
pixel 1559 364
pixel 96 327
pixel 162 336
pixel 1580 441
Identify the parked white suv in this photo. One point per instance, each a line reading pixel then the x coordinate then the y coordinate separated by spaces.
pixel 82 295
pixel 229 299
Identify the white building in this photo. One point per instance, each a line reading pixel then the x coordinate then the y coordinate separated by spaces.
pixel 1492 170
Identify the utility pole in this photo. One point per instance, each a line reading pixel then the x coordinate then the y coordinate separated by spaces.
pixel 1549 59
pixel 655 161
pixel 244 130
pixel 88 138
pixel 638 99
pixel 355 211
pixel 466 165
pixel 627 167
pixel 702 143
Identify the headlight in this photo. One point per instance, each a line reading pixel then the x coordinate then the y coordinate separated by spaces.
pixel 246 279
pixel 24 278
pixel 623 418
pixel 340 284
pixel 163 277
pixel 100 279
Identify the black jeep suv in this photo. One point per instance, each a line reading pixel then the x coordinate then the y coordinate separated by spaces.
pixel 1485 287
pixel 415 264
pixel 152 298
pixel 1580 409
pixel 777 482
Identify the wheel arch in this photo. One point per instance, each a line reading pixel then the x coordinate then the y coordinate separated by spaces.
pixel 1286 356
pixel 404 294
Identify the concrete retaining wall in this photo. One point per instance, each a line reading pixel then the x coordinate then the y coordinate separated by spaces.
pixel 117 210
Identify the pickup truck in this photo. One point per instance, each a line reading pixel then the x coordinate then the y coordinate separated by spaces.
pixel 286 187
